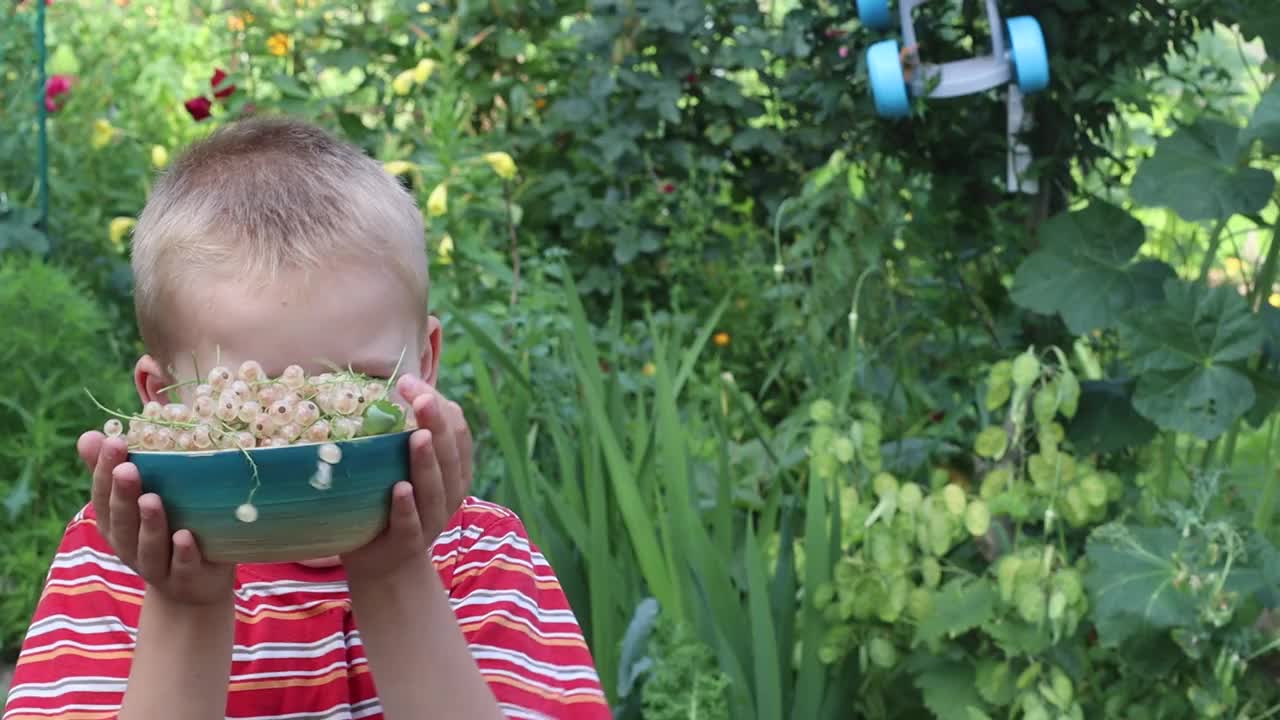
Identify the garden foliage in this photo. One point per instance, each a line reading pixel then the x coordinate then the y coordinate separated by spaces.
pixel 811 415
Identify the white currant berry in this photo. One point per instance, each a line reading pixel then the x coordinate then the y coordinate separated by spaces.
pixel 330 453
pixel 242 390
pixel 201 438
pixel 134 437
pixel 293 377
pixel 375 391
pixel 245 440
pixel 177 413
pixel 246 513
pixel 306 413
pixel 282 411
pixel 271 392
pixel 228 407
pixel 168 439
pixel 204 390
pixel 345 403
pixel 345 428
pixel 153 410
pixel 325 400
pixel 250 371
pixel 151 438
pixel 203 407
pixel 263 426
pixel 322 479
pixel 317 431
pixel 219 378
pixel 113 428
pixel 186 440
pixel 288 432
pixel 249 410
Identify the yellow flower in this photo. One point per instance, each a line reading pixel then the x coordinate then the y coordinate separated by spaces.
pixel 1274 300
pixel 397 167
pixel 1232 265
pixel 119 227
pixel 501 164
pixel 102 133
pixel 235 23
pixel 649 369
pixel 403 83
pixel 422 72
pixel 159 156
pixel 424 8
pixel 445 251
pixel 279 44
pixel 721 339
pixel 438 201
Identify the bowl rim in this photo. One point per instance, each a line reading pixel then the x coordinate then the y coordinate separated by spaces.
pixel 258 450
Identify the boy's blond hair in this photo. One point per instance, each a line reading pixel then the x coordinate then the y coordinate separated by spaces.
pixel 263 196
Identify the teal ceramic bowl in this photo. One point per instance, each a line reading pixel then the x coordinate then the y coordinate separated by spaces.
pixel 295 519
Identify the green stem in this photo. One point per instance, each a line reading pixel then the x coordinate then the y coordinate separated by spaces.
pixel 1266 275
pixel 43 114
pixel 1166 463
pixel 1266 505
pixel 1215 241
pixel 1207 459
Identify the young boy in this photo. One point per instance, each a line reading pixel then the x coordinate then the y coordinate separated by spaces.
pixel 271 241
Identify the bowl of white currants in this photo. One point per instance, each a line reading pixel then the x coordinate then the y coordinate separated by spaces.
pixel 264 469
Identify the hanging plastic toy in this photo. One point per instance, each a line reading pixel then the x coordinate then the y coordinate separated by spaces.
pixel 1018 59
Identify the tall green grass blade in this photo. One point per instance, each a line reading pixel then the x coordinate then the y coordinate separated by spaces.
pixel 640 528
pixel 493 350
pixel 768 669
pixel 600 560
pixel 783 597
pixel 503 433
pixel 811 681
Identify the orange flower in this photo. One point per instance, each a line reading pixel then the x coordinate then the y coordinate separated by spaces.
pixel 721 339
pixel 649 369
pixel 279 44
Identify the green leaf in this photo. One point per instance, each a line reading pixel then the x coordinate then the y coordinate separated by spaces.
pixel 1265 123
pixel 949 690
pixel 1198 173
pixel 1130 582
pixel 1185 348
pixel 1106 420
pixel 961 606
pixel 1085 269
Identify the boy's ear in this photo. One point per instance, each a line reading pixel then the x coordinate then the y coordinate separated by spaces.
pixel 429 363
pixel 149 377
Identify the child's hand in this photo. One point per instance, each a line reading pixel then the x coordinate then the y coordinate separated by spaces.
pixel 440 477
pixel 137 529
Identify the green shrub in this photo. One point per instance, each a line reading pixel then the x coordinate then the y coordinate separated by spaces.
pixel 57 342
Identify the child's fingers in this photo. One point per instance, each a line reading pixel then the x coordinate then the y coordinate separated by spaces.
pixel 186 563
pixel 110 453
pixel 428 481
pixel 433 414
pixel 403 522
pixel 125 487
pixel 461 484
pixel 153 539
pixel 89 446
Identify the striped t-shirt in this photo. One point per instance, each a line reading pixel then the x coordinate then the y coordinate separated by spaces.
pixel 297 651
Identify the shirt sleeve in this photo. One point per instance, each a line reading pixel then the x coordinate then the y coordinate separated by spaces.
pixel 522 632
pixel 75 658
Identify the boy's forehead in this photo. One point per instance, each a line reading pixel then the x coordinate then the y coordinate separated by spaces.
pixel 349 316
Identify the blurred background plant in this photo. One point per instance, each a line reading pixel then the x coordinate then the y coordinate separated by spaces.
pixel 812 417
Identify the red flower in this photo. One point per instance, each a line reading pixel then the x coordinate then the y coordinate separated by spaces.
pixel 198 107
pixel 668 188
pixel 55 86
pixel 218 77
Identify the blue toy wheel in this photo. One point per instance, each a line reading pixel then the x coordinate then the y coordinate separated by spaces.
pixel 1029 54
pixel 875 14
pixel 888 84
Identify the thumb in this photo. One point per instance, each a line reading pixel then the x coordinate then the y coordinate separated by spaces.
pixel 88 446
